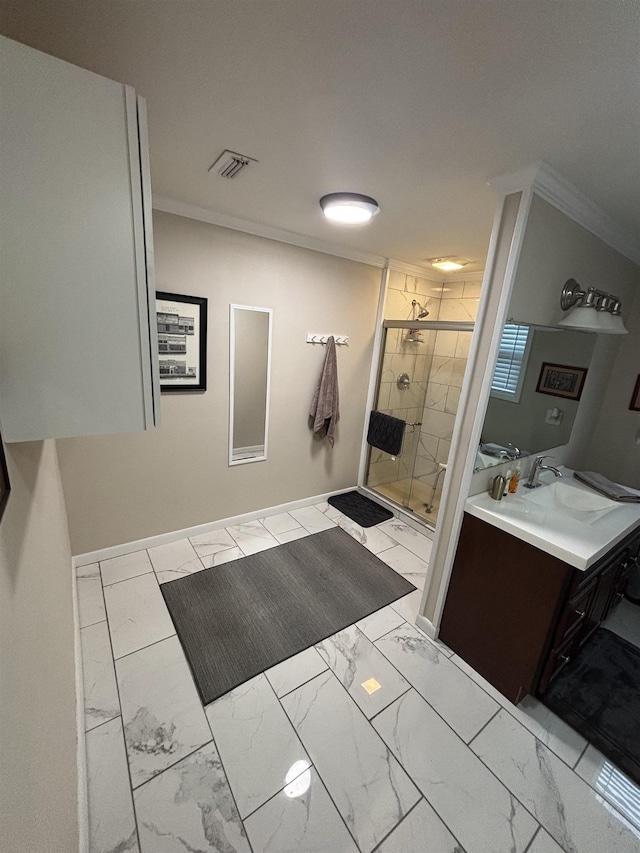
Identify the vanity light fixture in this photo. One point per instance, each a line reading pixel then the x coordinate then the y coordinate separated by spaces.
pixel 448 264
pixel 591 310
pixel 349 208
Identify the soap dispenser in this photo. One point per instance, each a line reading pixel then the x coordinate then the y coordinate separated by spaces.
pixel 514 480
pixel 498 485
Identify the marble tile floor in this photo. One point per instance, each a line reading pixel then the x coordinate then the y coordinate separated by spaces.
pixel 376 739
pixel 416 503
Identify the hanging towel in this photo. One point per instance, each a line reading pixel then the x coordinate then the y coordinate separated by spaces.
pixel 606 487
pixel 325 406
pixel 386 433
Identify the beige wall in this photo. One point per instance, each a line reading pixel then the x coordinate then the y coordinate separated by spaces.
pixel 555 248
pixel 613 446
pixel 125 487
pixel 38 782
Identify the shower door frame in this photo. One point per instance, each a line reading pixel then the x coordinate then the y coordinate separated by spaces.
pixel 428 326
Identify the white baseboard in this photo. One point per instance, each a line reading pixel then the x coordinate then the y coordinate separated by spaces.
pixel 81 748
pixel 427 626
pixel 198 530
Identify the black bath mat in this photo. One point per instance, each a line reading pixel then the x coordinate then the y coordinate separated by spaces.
pixel 363 511
pixel 240 618
pixel 599 696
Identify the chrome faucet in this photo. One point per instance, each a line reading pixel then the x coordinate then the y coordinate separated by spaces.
pixel 536 468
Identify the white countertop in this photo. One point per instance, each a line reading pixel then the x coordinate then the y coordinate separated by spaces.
pixel 577 538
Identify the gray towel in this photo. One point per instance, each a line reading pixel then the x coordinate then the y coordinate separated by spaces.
pixel 606 487
pixel 325 406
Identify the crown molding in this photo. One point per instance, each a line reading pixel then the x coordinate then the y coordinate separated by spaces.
pixel 234 223
pixel 411 269
pixel 551 186
pixel 477 275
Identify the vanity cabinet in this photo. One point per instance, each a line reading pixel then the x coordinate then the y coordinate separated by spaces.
pixel 78 346
pixel 518 615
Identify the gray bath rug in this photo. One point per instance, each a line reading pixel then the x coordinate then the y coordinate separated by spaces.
pixel 240 618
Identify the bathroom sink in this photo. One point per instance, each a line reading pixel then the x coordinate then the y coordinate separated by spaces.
pixel 563 496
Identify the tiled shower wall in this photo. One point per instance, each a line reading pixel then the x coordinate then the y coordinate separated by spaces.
pixel 438 365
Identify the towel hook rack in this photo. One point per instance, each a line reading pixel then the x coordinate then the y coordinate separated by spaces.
pixel 317 338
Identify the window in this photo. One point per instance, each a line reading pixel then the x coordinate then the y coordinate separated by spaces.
pixel 512 362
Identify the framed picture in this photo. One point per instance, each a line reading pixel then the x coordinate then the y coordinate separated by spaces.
pixel 560 380
pixel 634 405
pixel 5 488
pixel 182 342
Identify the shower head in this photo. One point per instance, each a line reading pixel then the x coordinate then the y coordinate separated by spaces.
pixel 422 311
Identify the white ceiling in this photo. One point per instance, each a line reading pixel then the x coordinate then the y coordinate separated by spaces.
pixel 414 103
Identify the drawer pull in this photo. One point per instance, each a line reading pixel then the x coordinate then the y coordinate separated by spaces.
pixel 580 613
pixel 564 658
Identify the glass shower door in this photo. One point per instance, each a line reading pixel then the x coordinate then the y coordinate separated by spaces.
pixel 421 374
pixel 401 392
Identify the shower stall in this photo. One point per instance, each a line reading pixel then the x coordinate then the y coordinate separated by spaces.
pixel 422 365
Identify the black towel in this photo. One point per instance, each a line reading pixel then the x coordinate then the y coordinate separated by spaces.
pixel 386 433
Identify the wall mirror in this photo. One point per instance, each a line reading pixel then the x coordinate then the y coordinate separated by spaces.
pixel 527 420
pixel 249 378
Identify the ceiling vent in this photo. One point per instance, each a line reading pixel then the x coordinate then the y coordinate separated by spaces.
pixel 229 164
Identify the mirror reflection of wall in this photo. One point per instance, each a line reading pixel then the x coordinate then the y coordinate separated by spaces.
pixel 524 420
pixel 250 360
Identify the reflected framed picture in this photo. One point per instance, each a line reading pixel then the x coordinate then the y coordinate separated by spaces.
pixel 5 487
pixel 634 405
pixel 182 341
pixel 560 380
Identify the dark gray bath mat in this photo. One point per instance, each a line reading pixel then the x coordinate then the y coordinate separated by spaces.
pixel 363 511
pixel 599 696
pixel 240 618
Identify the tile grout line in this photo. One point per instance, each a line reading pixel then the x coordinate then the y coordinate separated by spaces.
pixel 320 777
pixel 224 773
pixel 500 782
pixel 124 740
pixel 435 711
pixel 482 728
pixel 148 646
pixel 526 728
pixel 535 835
pixel 402 819
pixel 302 683
pixel 172 765
pixel 579 759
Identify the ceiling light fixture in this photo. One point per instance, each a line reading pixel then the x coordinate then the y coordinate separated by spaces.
pixel 349 208
pixel 448 264
pixel 591 310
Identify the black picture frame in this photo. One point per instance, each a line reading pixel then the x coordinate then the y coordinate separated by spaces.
pixel 634 405
pixel 5 485
pixel 561 380
pixel 182 342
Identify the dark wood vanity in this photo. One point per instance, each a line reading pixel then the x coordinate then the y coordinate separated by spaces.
pixel 518 615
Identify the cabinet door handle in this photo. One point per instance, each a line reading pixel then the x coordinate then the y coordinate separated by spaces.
pixel 580 613
pixel 564 658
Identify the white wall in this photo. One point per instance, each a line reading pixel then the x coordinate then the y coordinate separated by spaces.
pixel 38 782
pixel 126 487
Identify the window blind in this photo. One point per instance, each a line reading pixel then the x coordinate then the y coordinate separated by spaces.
pixel 507 377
